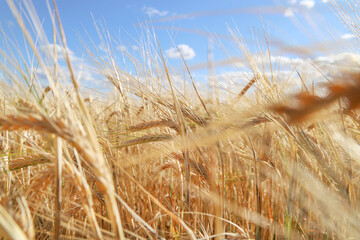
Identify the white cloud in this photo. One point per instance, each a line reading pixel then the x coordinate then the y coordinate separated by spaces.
pixel 48 50
pixel 327 64
pixel 10 23
pixel 103 48
pixel 230 83
pixel 186 51
pixel 342 61
pixel 292 2
pixel 153 12
pixel 135 48
pixel 347 36
pixel 309 4
pixel 81 68
pixel 121 48
pixel 325 1
pixel 289 12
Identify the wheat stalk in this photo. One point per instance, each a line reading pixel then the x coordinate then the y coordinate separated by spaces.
pixel 27 161
pixel 145 139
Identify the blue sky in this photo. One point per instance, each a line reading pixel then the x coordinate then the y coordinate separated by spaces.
pixel 188 24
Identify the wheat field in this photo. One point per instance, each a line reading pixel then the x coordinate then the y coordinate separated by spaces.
pixel 150 159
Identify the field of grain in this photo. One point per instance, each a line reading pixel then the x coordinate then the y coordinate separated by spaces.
pixel 150 159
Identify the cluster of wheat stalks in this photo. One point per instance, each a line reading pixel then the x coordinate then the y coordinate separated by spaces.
pixel 150 161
